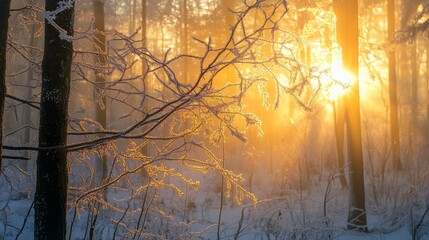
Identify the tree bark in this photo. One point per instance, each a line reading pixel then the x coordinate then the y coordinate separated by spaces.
pixel 100 108
pixel 427 92
pixel 338 106
pixel 145 149
pixel 339 124
pixel 184 40
pixel 52 173
pixel 144 25
pixel 414 97
pixel 28 94
pixel 349 42
pixel 4 25
pixel 394 122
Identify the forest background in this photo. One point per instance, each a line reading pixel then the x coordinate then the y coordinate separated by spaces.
pixel 214 119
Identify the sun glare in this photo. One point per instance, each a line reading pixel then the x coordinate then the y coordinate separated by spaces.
pixel 341 82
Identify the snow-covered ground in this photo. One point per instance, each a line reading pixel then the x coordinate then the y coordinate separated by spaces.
pixel 294 214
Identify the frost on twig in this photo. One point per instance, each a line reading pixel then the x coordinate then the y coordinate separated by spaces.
pixel 51 16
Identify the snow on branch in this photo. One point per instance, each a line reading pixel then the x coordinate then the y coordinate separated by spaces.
pixel 50 17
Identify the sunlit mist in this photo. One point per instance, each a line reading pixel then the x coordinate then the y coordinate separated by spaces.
pixel 214 119
pixel 341 81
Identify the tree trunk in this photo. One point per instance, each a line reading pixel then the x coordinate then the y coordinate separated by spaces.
pixel 4 24
pixel 409 72
pixel 27 110
pixel 145 149
pixel 184 40
pixel 349 40
pixel 100 111
pixel 427 91
pixel 131 26
pixel 414 97
pixel 28 94
pixel 144 26
pixel 394 123
pixel 339 125
pixel 338 106
pixel 52 173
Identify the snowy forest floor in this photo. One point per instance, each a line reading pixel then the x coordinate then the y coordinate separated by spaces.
pixel 319 212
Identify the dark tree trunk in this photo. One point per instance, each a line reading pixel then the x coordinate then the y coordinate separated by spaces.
pixel 4 23
pixel 394 123
pixel 357 214
pixel 52 173
pixel 348 37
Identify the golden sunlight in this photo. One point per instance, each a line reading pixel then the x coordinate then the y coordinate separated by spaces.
pixel 341 82
pixel 214 119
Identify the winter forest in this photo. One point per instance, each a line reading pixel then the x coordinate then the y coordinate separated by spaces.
pixel 214 119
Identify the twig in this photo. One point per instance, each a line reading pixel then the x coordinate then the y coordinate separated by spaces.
pixel 19 9
pixel 221 191
pixel 240 223
pixel 25 221
pixel 31 104
pixel 146 213
pixel 142 210
pixel 123 216
pixel 15 158
pixel 420 223
pixel 94 222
